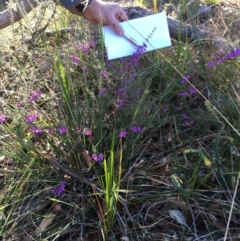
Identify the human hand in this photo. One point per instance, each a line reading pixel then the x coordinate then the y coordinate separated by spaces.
pixel 105 13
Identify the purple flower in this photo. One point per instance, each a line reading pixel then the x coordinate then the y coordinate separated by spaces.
pixel 121 70
pixel 136 129
pixel 83 47
pixel 185 116
pixel 120 92
pixel 97 158
pixel 36 130
pixel 185 79
pixel 183 94
pixel 2 118
pixel 75 60
pixel 62 130
pixel 136 56
pixel 87 132
pixel 50 131
pixel 121 102
pixel 18 105
pixel 233 54
pixel 91 43
pixel 35 95
pixel 100 157
pixel 59 189
pixel 192 91
pixel 134 59
pixel 221 51
pixel 211 64
pixel 165 109
pixel 139 92
pixel 110 63
pixel 102 91
pixel 139 51
pixel 84 68
pixel 104 74
pixel 31 118
pixel 123 134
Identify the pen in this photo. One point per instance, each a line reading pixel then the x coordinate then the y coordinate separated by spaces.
pixel 132 40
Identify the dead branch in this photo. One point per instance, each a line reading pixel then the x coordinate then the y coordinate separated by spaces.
pixel 184 32
pixel 10 15
pixel 178 31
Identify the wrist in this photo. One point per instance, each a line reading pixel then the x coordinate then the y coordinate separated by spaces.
pixel 76 6
pixel 83 5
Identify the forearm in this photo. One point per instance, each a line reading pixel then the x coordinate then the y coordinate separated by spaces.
pixel 98 12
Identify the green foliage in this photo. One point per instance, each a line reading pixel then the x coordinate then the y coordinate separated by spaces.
pixel 211 2
pixel 99 150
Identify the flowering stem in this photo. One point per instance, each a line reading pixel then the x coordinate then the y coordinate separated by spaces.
pixel 120 164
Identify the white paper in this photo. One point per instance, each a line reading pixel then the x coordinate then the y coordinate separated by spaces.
pixel 139 29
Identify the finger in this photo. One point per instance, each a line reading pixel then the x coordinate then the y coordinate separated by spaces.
pixel 122 16
pixel 115 25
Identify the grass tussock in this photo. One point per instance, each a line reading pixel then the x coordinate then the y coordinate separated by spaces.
pixel 139 148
